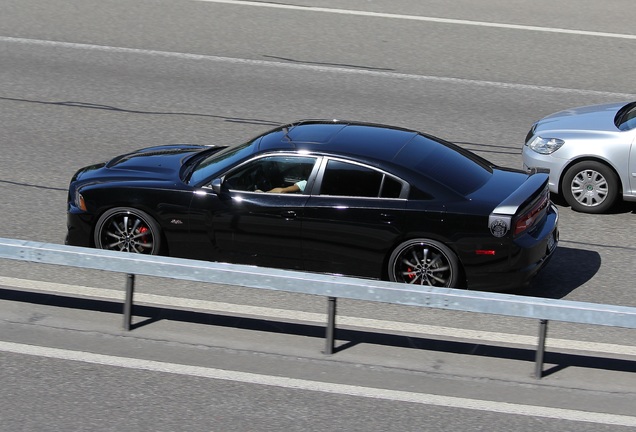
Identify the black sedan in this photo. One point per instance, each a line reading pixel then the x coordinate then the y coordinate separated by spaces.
pixel 336 197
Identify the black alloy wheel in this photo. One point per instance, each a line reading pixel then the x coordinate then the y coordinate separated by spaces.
pixel 424 262
pixel 128 230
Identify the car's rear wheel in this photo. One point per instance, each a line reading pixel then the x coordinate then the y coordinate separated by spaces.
pixel 590 187
pixel 424 262
pixel 128 230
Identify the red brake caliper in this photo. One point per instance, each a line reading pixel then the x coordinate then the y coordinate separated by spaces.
pixel 142 230
pixel 411 275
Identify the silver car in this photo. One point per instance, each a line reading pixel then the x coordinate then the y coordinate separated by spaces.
pixel 590 152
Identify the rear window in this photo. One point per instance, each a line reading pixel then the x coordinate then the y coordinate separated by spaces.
pixel 445 163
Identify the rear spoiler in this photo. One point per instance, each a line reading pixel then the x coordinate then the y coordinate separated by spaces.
pixel 500 220
pixel 509 206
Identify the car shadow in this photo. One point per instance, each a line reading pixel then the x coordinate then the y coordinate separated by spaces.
pixel 346 338
pixel 568 269
pixel 623 207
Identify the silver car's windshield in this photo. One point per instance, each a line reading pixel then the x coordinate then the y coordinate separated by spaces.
pixel 626 117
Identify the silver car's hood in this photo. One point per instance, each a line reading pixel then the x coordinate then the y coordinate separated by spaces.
pixel 594 117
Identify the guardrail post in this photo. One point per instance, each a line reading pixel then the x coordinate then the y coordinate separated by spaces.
pixel 331 325
pixel 128 302
pixel 543 332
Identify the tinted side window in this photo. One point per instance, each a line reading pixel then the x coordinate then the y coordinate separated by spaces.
pixel 266 173
pixel 346 179
pixel 391 188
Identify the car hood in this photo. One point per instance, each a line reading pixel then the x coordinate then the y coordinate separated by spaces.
pixel 153 163
pixel 587 118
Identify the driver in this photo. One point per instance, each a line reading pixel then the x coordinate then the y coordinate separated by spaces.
pixel 296 187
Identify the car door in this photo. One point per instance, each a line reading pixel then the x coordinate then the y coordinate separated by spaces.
pixel 352 219
pixel 243 222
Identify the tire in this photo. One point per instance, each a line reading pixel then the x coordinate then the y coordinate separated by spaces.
pixel 424 262
pixel 590 187
pixel 128 230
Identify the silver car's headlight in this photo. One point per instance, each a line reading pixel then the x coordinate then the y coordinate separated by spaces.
pixel 545 145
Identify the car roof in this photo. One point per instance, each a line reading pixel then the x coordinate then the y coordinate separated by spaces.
pixel 414 156
pixel 359 139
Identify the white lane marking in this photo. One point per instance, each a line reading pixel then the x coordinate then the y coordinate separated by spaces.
pixel 314 68
pixel 272 313
pixel 318 386
pixel 422 18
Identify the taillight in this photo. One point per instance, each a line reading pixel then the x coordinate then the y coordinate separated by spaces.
pixel 528 219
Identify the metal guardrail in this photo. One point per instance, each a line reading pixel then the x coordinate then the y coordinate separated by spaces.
pixel 332 287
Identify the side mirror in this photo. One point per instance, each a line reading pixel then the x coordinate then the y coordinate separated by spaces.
pixel 217 184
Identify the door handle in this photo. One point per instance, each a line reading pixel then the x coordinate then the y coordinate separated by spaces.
pixel 289 214
pixel 387 218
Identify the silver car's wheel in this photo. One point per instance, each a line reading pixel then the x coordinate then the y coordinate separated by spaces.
pixel 590 187
pixel 424 262
pixel 128 230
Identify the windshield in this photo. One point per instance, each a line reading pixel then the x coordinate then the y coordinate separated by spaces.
pixel 216 163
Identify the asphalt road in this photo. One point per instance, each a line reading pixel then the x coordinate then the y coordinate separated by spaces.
pixel 82 81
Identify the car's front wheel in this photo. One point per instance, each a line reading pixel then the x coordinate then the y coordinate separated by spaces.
pixel 424 262
pixel 590 187
pixel 128 230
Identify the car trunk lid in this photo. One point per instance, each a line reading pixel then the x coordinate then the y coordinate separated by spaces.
pixel 523 209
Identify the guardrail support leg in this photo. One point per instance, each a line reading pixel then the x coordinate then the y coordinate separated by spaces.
pixel 128 302
pixel 331 325
pixel 543 332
